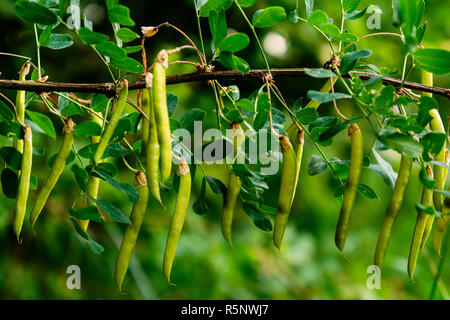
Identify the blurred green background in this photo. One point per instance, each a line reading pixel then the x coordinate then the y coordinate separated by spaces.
pixel 310 267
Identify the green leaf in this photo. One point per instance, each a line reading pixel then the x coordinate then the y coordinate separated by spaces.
pixel 115 150
pixel 408 15
pixel 262 115
pixel 111 50
pixel 246 3
pixel 126 35
pixel 10 183
pixel 432 144
pixel 199 206
pixel 33 12
pixel 110 210
pixel 218 26
pixel 230 61
pixel 187 121
pixel 402 143
pixel 234 42
pixel 367 192
pixel 11 130
pixel 320 73
pixel 86 213
pixel 436 61
pixel 79 229
pixel 316 165
pixel 326 97
pixel 88 129
pixel 425 179
pixel 44 38
pixel 12 157
pixel 81 176
pixel 132 49
pixel 384 169
pixel 99 102
pixel 216 185
pixel 214 5
pixel 355 14
pixel 350 5
pixel 259 219
pixel 172 101
pixel 268 17
pixel 59 41
pixel 307 115
pixel 349 59
pixel 127 189
pixel 43 122
pixel 421 32
pixel 5 112
pixel 345 37
pixel 95 247
pixel 121 15
pixel 128 64
pixel 91 37
pixel 330 29
pixel 386 98
pixel 71 109
pixel 309 4
pixel 317 18
pixel 420 11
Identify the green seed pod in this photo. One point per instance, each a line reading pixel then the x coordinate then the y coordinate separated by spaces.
pixel 351 187
pixel 442 221
pixel 20 103
pixel 162 114
pixel 427 201
pixel 441 227
pixel 55 171
pixel 152 150
pixel 300 140
pixel 132 232
pixel 234 187
pixel 113 121
pixel 24 182
pixel 145 106
pixel 286 190
pixel 178 217
pixel 392 211
pixel 93 182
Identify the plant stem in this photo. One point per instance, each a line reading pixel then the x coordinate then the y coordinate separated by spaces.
pixel 199 29
pixel 261 49
pixel 38 46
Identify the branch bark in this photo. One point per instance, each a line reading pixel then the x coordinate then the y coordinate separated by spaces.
pixel 228 75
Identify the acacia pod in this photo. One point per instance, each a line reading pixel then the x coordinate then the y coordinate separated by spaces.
pixel 443 221
pixel 132 232
pixel 55 171
pixel 20 103
pixel 419 229
pixel 286 191
pixel 162 114
pixel 24 182
pixel 113 121
pixel 178 217
pixel 93 183
pixel 392 211
pixel 152 148
pixel 351 187
pixel 234 187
